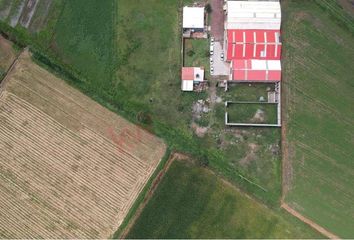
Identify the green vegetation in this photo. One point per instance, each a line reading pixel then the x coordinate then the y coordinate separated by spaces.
pixel 319 89
pixel 252 113
pixel 191 202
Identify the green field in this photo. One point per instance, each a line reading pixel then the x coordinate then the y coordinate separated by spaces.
pixel 318 75
pixel 191 202
pixel 262 113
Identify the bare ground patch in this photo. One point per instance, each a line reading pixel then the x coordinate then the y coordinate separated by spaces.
pixel 7 54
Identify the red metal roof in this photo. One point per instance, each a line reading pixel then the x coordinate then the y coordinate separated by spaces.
pixel 188 73
pixel 253 44
pixel 256 70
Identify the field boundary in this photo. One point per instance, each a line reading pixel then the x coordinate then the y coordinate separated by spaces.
pixel 309 222
pixel 155 183
pixel 9 70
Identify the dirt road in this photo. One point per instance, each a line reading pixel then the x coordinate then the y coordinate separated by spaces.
pixel 309 222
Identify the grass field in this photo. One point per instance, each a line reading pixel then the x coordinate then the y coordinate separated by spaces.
pixel 70 168
pixel 191 202
pixel 318 74
pixel 252 113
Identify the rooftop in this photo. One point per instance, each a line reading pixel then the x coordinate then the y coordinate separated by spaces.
pixel 193 17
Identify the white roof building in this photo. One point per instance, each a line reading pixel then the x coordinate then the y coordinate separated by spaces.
pixel 253 15
pixel 193 17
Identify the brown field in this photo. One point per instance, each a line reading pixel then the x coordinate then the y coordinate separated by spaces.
pixel 7 54
pixel 69 167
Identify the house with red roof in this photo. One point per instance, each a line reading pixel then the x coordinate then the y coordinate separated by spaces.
pixel 191 76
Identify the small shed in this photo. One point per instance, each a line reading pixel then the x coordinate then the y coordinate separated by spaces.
pixel 190 76
pixel 193 18
pixel 253 15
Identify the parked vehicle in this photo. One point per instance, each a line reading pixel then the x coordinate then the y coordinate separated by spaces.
pixel 211 50
pixel 211 61
pixel 211 70
pixel 212 41
pixel 222 56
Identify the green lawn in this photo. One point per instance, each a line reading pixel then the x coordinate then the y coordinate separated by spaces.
pixel 252 113
pixel 318 74
pixel 191 202
pixel 196 54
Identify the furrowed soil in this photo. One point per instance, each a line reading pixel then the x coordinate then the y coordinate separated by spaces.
pixel 70 168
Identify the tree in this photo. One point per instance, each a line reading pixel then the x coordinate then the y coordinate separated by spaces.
pixel 208 8
pixel 190 53
pixel 144 117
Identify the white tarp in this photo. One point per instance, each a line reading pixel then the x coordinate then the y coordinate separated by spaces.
pixel 193 17
pixel 266 65
pixel 187 85
pixel 253 15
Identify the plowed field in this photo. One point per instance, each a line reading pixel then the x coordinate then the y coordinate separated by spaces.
pixel 69 168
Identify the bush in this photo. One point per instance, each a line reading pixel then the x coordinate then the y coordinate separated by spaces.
pixel 208 8
pixel 190 53
pixel 144 117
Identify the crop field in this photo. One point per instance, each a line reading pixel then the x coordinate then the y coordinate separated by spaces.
pixel 252 113
pixel 318 84
pixel 214 210
pixel 69 167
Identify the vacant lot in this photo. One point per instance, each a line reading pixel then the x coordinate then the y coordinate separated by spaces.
pixel 252 113
pixel 191 202
pixel 318 74
pixel 70 168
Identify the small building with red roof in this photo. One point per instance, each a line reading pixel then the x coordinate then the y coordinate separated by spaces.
pixel 191 76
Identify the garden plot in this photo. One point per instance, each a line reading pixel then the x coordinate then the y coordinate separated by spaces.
pixel 70 168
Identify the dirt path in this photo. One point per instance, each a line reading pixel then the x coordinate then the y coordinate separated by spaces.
pixel 309 222
pixel 217 19
pixel 155 183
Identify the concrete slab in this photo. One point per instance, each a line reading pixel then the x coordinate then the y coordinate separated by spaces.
pixel 220 67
